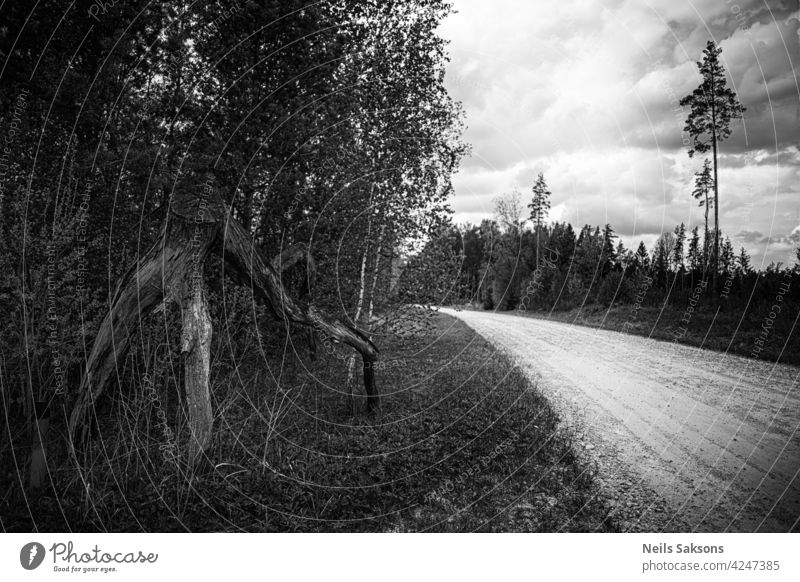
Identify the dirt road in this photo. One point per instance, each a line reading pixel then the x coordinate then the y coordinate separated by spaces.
pixel 685 439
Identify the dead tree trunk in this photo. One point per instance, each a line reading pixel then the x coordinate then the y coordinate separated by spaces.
pixel 245 261
pixel 196 347
pixel 287 259
pixel 172 270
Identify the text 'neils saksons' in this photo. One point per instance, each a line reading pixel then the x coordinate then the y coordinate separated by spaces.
pixel 681 549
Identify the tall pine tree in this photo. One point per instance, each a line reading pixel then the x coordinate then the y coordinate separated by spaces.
pixel 540 206
pixel 713 106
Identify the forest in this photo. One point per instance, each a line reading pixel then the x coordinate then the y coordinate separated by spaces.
pixel 202 212
pixel 224 230
pixel 519 261
pixel 511 264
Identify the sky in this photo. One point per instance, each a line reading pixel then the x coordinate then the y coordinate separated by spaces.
pixel 587 92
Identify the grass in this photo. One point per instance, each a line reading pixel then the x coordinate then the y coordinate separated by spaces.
pixel 462 443
pixel 724 330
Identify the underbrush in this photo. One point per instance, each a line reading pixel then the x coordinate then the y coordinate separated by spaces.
pixel 462 443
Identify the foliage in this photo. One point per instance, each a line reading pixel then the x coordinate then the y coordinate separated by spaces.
pixel 540 202
pixel 320 124
pixel 713 106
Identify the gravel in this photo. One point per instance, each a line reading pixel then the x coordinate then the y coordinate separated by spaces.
pixel 684 439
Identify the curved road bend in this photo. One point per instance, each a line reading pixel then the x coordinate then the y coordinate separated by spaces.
pixel 685 439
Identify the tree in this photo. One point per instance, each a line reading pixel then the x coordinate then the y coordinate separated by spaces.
pixel 693 255
pixel 677 250
pixel 713 106
pixel 743 263
pixel 642 258
pixel 662 256
pixel 431 277
pixel 727 257
pixel 508 210
pixel 540 206
pixel 608 254
pixel 703 183
pixel 540 203
pixel 205 132
pixel 172 271
pixel 622 255
pixel 508 267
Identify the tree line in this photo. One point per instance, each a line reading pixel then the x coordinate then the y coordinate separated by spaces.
pixel 515 261
pixel 555 267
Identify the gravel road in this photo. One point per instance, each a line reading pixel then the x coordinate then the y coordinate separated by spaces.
pixel 684 439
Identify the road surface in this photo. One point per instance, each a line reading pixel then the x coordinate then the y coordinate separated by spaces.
pixel 685 439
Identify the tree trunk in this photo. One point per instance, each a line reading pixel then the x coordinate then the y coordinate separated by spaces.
pixel 705 242
pixel 196 348
pixel 163 274
pixel 361 289
pixel 375 273
pixel 716 217
pixel 172 271
pixel 359 307
pixel 288 258
pixel 247 263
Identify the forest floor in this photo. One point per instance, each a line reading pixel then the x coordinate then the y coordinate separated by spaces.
pixel 463 442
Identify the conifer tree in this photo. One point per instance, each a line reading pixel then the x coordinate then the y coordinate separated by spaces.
pixel 622 255
pixel 694 257
pixel 642 258
pixel 727 257
pixel 540 203
pixel 713 106
pixel 677 250
pixel 743 263
pixel 609 255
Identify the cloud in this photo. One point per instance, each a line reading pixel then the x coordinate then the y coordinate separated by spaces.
pixel 587 91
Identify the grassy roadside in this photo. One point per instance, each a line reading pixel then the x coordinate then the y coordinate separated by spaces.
pixel 720 330
pixel 463 443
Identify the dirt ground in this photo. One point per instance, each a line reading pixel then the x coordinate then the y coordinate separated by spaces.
pixel 684 439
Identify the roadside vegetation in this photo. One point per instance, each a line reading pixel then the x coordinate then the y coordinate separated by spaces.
pixel 463 443
pixel 733 332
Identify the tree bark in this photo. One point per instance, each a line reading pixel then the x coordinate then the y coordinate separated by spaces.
pixel 196 348
pixel 361 289
pixel 359 308
pixel 163 274
pixel 716 214
pixel 375 272
pixel 246 262
pixel 287 259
